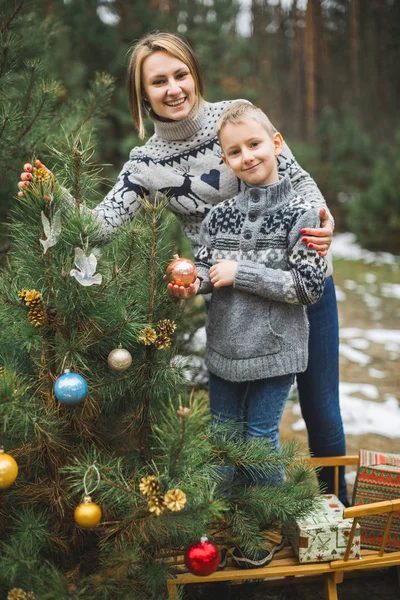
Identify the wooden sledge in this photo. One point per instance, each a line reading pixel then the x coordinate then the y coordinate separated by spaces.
pixel 285 565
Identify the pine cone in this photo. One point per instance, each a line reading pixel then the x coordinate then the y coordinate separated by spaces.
pixel 150 486
pixel 175 500
pixel 37 316
pixel 16 594
pixel 33 298
pixel 30 596
pixel 22 294
pixel 42 174
pixel 162 342
pixel 166 327
pixel 156 505
pixel 2 371
pixel 30 297
pixel 147 336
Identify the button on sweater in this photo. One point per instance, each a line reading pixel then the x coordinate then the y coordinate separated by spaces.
pixel 257 327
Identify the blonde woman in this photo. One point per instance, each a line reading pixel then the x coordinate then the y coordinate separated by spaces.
pixel 183 160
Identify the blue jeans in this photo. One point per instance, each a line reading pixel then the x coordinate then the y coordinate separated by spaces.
pixel 319 387
pixel 255 408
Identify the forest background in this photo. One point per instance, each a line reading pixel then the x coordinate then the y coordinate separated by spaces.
pixel 325 71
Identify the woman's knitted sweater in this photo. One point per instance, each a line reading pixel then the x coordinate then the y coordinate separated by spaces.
pixel 183 160
pixel 258 327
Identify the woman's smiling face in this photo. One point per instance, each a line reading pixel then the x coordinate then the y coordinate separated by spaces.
pixel 168 86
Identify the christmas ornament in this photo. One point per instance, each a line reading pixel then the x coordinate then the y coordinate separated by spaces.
pixel 8 470
pixel 149 486
pixel 87 269
pixel 42 174
pixel 31 298
pixel 162 342
pixel 175 500
pixel 51 230
pixel 87 514
pixel 166 327
pixel 119 359
pixel 147 336
pixel 20 594
pixel 181 271
pixel 156 505
pixel 202 558
pixel 37 316
pixel 70 388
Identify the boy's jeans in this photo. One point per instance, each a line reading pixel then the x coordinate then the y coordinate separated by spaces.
pixel 256 407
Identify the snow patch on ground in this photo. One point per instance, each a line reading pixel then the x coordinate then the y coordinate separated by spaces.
pixel 361 416
pixel 344 246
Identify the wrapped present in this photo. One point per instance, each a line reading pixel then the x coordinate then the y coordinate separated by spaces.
pixel 378 479
pixel 323 536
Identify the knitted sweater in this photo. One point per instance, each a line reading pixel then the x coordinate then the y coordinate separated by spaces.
pixel 258 327
pixel 183 160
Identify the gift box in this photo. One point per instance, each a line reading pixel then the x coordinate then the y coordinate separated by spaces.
pixel 323 536
pixel 378 479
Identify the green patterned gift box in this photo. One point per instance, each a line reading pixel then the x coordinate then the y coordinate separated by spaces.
pixel 323 536
pixel 378 479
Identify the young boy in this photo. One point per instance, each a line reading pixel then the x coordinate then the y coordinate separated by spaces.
pixel 261 277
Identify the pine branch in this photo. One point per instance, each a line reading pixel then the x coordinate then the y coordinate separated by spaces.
pixel 39 110
pixel 4 123
pixel 6 23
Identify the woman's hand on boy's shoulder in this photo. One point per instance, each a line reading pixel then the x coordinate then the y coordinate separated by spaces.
pixel 182 292
pixel 223 272
pixel 320 238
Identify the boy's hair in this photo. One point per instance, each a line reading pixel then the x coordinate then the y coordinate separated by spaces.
pixel 147 45
pixel 238 112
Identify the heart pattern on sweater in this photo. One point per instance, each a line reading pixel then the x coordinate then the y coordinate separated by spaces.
pixel 211 178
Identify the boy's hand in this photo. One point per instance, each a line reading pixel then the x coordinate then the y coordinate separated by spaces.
pixel 223 273
pixel 179 291
pixel 320 239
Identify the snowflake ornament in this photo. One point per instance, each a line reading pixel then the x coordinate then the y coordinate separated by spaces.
pixel 87 269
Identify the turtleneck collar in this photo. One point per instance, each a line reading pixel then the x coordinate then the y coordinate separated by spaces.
pixel 265 199
pixel 180 130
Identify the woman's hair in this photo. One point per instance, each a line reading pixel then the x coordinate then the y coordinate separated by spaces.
pixel 239 111
pixel 154 42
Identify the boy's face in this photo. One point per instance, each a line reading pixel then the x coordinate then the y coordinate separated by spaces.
pixel 250 152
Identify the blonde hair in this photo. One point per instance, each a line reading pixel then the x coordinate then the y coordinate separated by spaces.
pixel 238 112
pixel 154 42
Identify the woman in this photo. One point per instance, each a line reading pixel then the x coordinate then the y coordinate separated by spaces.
pixel 183 160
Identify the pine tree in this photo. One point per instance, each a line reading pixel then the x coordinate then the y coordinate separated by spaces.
pixel 36 111
pixel 139 444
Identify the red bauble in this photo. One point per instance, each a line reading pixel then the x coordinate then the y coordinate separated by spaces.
pixel 181 271
pixel 202 558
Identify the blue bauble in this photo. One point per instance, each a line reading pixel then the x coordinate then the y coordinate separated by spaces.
pixel 70 388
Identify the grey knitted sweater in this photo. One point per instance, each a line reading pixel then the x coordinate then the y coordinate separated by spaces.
pixel 258 327
pixel 183 160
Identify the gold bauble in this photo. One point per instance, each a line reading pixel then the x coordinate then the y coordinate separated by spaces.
pixel 87 514
pixel 119 359
pixel 8 470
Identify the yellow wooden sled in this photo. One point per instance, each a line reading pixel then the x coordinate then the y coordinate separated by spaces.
pixel 285 564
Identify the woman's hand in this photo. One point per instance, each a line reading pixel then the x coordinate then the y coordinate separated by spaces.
pixel 223 272
pixel 179 291
pixel 320 239
pixel 27 175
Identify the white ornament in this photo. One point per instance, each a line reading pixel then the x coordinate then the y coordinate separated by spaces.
pixel 51 230
pixel 87 269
